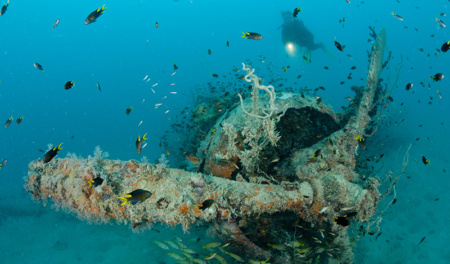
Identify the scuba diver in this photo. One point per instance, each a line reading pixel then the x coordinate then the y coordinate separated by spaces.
pixel 294 32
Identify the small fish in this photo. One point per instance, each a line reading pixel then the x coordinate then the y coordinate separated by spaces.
pixel 442 14
pixel 69 85
pixel 175 256
pixel 4 8
pixel 296 11
pixel 421 240
pixel 3 163
pixel 181 245
pixel 173 245
pixel 8 122
pixel 317 153
pixel 445 47
pixel 251 261
pixel 187 250
pixel 98 87
pixel 437 77
pixel 409 86
pixel 362 143
pixel 394 201
pixel 214 75
pixel 319 100
pixel 338 45
pixel 220 259
pixel 128 110
pixel 55 24
pixel 139 142
pixel 211 245
pixel 252 35
pixel 161 245
pixel 156 24
pixel 278 247
pixel 199 261
pixel 206 204
pixel 212 256
pixel 342 221
pixel 425 161
pixel 51 153
pixel 236 257
pixel 397 16
pixel 439 94
pixel 19 120
pixel 38 66
pixel 175 67
pixel 92 17
pixel 193 159
pixel 228 43
pixel 95 182
pixel 136 196
pixel 441 23
pixel 209 52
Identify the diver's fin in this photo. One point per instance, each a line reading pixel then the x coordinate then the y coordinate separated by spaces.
pixel 307 56
pixel 328 52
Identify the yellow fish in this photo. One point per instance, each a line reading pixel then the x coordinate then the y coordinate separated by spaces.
pixel 211 245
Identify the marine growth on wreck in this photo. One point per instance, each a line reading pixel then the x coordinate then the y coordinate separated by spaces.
pixel 276 176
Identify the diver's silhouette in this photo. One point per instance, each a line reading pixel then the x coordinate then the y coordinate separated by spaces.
pixel 294 32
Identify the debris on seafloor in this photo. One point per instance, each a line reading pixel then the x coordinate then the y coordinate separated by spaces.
pixel 276 177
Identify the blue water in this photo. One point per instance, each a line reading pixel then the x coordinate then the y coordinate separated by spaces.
pixel 124 46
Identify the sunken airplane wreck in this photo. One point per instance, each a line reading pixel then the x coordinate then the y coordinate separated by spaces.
pixel 280 163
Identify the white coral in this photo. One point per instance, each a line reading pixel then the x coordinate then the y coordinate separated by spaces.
pixel 259 129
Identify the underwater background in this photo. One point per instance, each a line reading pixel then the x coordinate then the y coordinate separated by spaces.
pixel 124 48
